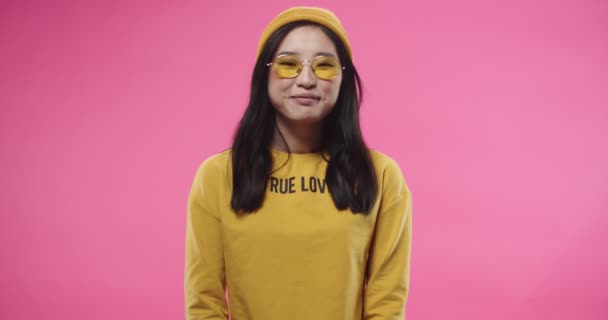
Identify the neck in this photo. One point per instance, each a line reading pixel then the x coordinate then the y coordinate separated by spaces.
pixel 299 138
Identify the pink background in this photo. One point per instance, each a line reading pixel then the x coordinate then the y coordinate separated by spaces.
pixel 497 112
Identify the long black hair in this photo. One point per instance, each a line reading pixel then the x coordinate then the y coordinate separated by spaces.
pixel 350 173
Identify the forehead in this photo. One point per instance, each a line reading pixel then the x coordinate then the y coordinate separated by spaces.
pixel 307 41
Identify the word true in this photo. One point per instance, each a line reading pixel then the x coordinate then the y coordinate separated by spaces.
pixel 288 185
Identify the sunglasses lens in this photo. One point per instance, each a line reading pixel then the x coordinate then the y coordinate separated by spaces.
pixel 287 66
pixel 326 67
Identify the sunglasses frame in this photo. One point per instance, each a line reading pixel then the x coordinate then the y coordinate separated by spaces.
pixel 302 65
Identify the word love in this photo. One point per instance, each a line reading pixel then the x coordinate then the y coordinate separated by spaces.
pixel 306 184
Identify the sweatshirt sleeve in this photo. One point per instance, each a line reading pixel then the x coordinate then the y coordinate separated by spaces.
pixel 204 281
pixel 388 269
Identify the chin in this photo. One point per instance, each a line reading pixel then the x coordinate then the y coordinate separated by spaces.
pixel 303 119
pixel 306 121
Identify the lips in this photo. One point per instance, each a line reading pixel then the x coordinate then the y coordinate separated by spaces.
pixel 306 96
pixel 305 99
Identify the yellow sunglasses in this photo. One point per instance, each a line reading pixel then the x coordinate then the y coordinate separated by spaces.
pixel 290 66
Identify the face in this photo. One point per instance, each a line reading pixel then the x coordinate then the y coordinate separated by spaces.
pixel 304 99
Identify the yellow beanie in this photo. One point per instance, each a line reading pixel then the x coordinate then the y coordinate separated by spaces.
pixel 319 15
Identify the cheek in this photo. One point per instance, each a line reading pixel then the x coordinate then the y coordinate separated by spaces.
pixel 331 91
pixel 277 87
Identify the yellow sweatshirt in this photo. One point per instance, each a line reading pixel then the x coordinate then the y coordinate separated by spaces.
pixel 298 257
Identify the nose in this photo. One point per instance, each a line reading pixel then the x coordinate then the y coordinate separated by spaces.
pixel 306 78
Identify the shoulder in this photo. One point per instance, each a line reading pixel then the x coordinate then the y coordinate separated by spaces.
pixel 389 173
pixel 217 159
pixel 214 166
pixel 382 160
pixel 385 164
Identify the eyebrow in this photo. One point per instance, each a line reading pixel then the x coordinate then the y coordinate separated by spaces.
pixel 319 53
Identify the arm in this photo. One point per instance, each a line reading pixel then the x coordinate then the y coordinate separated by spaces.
pixel 388 270
pixel 204 281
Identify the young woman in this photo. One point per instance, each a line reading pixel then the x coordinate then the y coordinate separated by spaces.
pixel 299 219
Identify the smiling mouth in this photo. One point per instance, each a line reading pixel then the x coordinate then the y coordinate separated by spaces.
pixel 305 100
pixel 305 96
